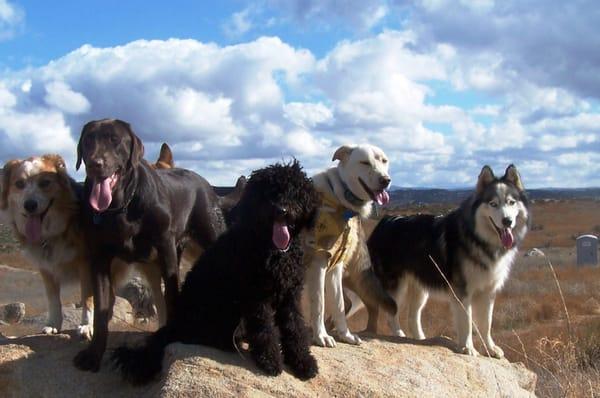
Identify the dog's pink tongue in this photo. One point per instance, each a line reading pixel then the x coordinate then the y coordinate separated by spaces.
pixel 507 238
pixel 101 195
pixel 382 198
pixel 281 235
pixel 33 229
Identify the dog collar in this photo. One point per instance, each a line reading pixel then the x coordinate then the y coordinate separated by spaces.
pixel 348 194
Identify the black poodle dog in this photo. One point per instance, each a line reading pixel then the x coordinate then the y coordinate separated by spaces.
pixel 251 279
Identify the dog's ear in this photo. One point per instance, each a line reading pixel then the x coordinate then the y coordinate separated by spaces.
pixel 486 176
pixel 84 131
pixel 56 160
pixel 166 156
pixel 5 188
pixel 342 153
pixel 136 152
pixel 512 175
pixel 59 165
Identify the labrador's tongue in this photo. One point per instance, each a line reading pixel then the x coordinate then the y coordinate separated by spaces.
pixel 507 238
pixel 281 235
pixel 33 229
pixel 382 198
pixel 101 195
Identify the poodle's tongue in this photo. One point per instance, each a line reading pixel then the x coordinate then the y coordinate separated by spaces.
pixel 101 195
pixel 33 229
pixel 281 235
pixel 382 198
pixel 506 237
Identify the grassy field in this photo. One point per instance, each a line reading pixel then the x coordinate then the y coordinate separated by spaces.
pixel 560 343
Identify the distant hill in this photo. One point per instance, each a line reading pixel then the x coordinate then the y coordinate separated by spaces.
pixel 400 196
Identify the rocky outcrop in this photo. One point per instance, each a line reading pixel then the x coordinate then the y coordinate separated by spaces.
pixel 41 366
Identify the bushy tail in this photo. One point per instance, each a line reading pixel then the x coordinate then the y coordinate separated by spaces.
pixel 139 365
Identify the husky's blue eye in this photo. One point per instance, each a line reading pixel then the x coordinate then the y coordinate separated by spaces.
pixel 493 204
pixel 511 202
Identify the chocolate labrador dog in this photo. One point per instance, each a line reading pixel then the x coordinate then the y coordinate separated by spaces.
pixel 135 213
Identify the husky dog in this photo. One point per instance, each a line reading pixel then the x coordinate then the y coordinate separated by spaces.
pixel 336 246
pixel 474 247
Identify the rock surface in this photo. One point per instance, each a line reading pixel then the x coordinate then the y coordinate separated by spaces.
pixel 12 313
pixel 390 367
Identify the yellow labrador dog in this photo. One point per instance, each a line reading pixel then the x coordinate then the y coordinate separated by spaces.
pixel 336 245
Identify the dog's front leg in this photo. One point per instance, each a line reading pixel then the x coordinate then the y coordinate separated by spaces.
pixel 464 326
pixel 295 338
pixel 263 338
pixel 483 307
pixel 55 317
pixel 86 328
pixel 89 358
pixel 334 295
pixel 167 257
pixel 315 281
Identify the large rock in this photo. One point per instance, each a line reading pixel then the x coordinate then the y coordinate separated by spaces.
pixel 41 366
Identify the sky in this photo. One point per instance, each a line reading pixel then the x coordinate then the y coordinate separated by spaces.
pixel 442 86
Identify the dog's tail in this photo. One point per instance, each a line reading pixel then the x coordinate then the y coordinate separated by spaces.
pixel 370 290
pixel 229 201
pixel 139 365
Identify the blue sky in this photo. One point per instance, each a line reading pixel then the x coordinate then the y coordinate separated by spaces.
pixel 443 86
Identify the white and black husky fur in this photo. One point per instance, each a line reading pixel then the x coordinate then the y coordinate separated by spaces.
pixel 474 247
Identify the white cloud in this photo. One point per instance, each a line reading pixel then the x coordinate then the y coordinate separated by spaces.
pixel 228 109
pixel 11 19
pixel 238 24
pixel 61 96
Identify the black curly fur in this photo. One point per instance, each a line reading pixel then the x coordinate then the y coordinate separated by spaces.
pixel 244 277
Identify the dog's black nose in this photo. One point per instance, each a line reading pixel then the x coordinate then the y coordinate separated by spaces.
pixel 280 211
pixel 95 163
pixel 30 205
pixel 507 222
pixel 385 181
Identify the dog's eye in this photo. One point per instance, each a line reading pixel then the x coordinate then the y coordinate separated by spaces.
pixel 365 163
pixel 511 202
pixel 493 204
pixel 44 184
pixel 20 184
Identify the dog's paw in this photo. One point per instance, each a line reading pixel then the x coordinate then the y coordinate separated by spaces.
pixel 398 333
pixel 85 331
pixel 471 351
pixel 87 360
pixel 324 340
pixel 272 367
pixel 349 338
pixel 496 352
pixel 49 330
pixel 305 368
